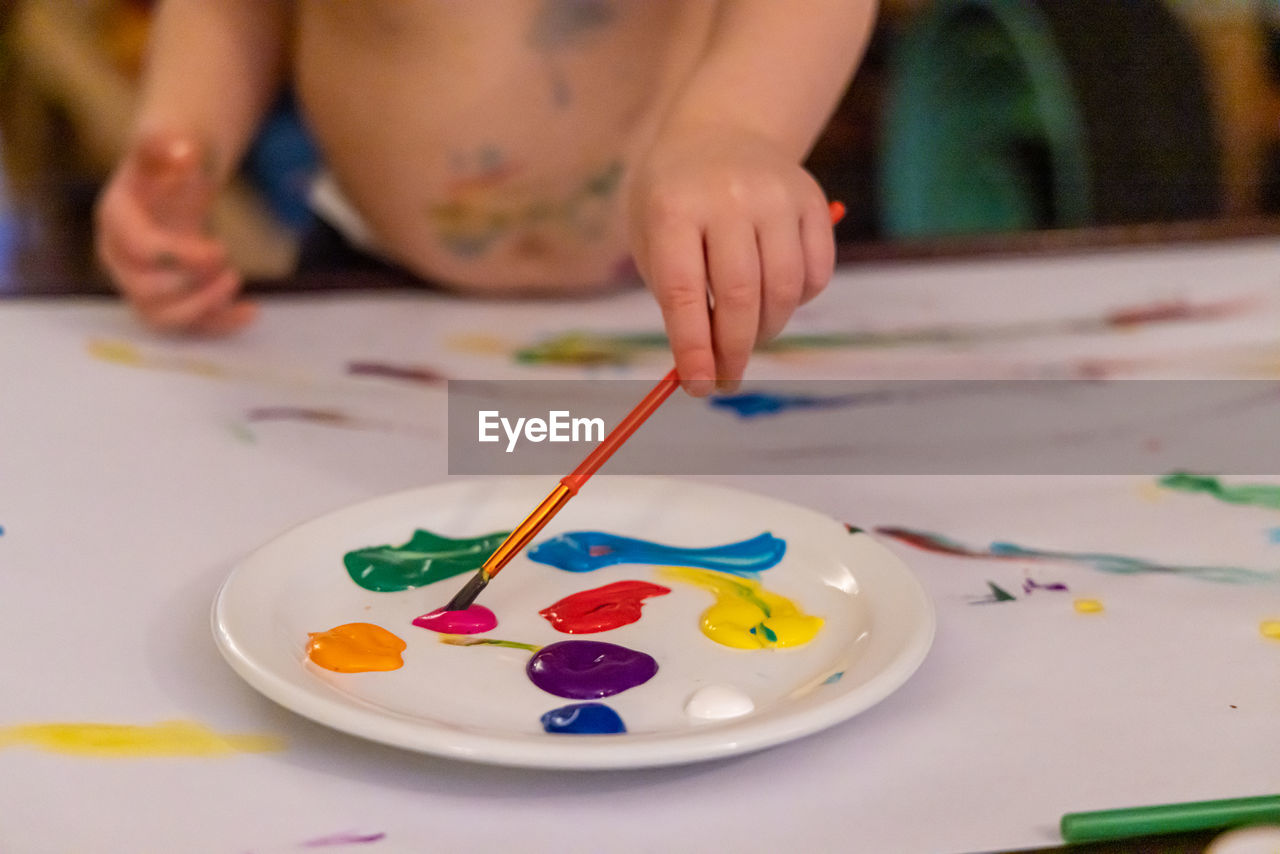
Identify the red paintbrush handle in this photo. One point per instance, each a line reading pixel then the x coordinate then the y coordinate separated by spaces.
pixel 621 433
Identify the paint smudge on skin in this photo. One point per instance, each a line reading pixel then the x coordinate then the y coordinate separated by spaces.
pixel 469 621
pixel 583 719
pixel 1251 494
pixel 1030 585
pixel 129 741
pixel 1087 606
pixel 1108 563
pixel 355 648
pixel 580 348
pixel 408 373
pixel 602 608
pixel 585 551
pixel 589 670
pixel 1270 629
pixel 745 615
pixel 997 594
pixel 718 703
pixel 425 559
pixel 346 838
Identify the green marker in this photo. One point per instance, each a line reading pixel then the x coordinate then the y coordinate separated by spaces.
pixel 1170 818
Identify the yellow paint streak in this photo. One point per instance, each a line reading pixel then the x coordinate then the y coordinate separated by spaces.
pixel 742 605
pixel 356 648
pixel 1270 629
pixel 124 353
pixel 128 741
pixel 1151 492
pixel 479 344
pixel 109 350
pixel 1088 606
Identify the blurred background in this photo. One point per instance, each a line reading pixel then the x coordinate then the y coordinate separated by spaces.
pixel 972 126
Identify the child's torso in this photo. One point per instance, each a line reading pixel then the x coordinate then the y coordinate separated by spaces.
pixel 488 143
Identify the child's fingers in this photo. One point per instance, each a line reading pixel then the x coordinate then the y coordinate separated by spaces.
pixel 186 311
pixel 819 245
pixel 141 241
pixel 227 319
pixel 782 268
pixel 733 262
pixel 678 277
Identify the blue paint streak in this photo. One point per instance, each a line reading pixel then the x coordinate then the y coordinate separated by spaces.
pixel 833 678
pixel 755 404
pixel 573 552
pixel 1273 534
pixel 1123 565
pixel 583 719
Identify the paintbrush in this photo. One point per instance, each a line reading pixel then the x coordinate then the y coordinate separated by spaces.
pixel 571 483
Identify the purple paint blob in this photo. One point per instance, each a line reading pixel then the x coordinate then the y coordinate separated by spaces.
pixel 589 670
pixel 471 621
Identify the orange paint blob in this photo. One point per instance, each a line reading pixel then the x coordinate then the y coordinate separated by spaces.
pixel 355 648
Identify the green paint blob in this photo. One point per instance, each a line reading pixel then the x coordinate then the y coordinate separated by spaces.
pixel 425 559
pixel 1251 494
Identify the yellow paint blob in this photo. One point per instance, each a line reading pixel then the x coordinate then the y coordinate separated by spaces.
pixel 1088 606
pixel 109 350
pixel 1151 492
pixel 1270 629
pixel 127 741
pixel 355 648
pixel 745 615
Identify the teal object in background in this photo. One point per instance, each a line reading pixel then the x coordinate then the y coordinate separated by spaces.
pixel 983 130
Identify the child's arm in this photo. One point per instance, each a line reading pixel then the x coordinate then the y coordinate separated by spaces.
pixel 721 203
pixel 213 67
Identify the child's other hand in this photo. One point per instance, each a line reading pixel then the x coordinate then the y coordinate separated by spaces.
pixel 730 215
pixel 151 237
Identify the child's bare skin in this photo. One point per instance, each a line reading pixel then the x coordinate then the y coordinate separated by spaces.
pixel 518 146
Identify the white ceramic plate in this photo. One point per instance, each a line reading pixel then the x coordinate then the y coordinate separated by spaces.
pixel 476 703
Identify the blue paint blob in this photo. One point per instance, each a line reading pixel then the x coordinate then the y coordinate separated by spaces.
pixel 833 678
pixel 583 719
pixel 585 551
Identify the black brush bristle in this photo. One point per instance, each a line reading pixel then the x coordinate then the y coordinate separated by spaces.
pixel 466 597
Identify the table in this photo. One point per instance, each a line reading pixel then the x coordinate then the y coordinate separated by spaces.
pixel 133 477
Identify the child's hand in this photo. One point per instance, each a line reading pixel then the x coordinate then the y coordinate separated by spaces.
pixel 151 237
pixel 730 215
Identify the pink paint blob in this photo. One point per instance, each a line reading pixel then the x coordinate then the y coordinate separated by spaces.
pixel 471 621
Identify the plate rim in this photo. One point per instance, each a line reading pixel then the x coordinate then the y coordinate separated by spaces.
pixel 610 752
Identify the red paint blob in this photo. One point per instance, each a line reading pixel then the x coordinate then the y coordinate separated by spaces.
pixel 601 608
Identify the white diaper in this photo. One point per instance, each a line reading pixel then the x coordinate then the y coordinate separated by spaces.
pixel 330 204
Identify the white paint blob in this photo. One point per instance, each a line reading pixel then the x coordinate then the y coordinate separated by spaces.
pixel 718 703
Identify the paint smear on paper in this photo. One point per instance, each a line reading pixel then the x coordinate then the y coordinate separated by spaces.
pixel 1087 606
pixel 745 615
pixel 331 418
pixel 1031 585
pixel 425 559
pixel 469 621
pixel 583 719
pixel 1249 494
pixel 417 374
pixel 1270 629
pixel 129 741
pixel 997 594
pixel 589 670
pixel 346 838
pixel 1109 563
pixel 355 648
pixel 585 551
pixel 587 349
pixel 602 608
